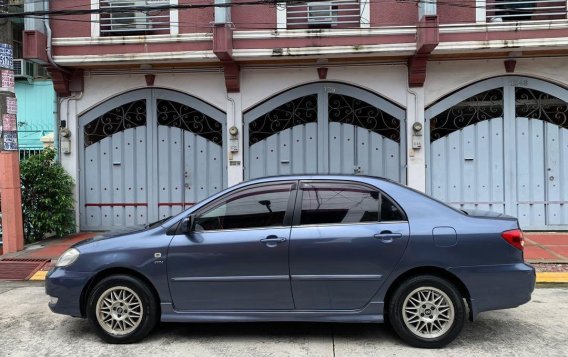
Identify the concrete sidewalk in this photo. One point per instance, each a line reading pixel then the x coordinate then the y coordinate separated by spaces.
pixel 547 250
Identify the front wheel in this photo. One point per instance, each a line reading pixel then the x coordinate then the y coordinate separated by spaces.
pixel 427 311
pixel 122 309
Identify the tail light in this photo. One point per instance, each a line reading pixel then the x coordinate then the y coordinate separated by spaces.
pixel 515 238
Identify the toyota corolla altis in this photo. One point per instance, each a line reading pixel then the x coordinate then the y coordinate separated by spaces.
pixel 300 248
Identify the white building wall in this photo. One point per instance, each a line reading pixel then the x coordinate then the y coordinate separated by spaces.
pixel 259 84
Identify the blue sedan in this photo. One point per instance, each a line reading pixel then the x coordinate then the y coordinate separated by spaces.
pixel 300 248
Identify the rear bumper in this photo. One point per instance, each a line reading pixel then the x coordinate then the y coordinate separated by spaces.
pixel 495 287
pixel 67 287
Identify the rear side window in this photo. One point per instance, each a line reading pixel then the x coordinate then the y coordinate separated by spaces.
pixel 331 203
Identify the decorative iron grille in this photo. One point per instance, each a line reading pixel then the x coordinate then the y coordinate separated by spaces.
pixel 186 118
pixel 129 115
pixel 349 110
pixel 533 104
pixel 299 111
pixel 483 106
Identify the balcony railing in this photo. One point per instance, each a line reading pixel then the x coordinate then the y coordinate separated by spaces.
pixel 525 10
pixel 328 14
pixel 133 17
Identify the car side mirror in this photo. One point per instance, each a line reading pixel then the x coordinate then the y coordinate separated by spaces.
pixel 186 226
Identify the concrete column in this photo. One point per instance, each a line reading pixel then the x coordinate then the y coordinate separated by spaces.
pixel 12 223
pixel 415 158
pixel 235 159
pixel 70 159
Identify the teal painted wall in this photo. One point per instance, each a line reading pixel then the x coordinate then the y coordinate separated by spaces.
pixel 36 105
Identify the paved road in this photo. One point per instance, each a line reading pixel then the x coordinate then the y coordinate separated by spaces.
pixel 28 328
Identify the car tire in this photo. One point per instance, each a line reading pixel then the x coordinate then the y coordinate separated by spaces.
pixel 122 309
pixel 427 311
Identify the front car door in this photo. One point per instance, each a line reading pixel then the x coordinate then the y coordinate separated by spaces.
pixel 346 239
pixel 237 256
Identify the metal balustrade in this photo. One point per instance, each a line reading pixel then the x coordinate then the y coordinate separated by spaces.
pixel 525 10
pixel 132 17
pixel 327 14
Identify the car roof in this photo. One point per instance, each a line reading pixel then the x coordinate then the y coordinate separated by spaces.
pixel 316 176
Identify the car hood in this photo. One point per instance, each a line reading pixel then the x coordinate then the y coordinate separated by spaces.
pixel 115 233
pixel 487 214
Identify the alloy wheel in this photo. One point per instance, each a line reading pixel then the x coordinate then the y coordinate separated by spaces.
pixel 119 310
pixel 428 312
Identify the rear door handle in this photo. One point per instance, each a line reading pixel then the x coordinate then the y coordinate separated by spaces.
pixel 388 236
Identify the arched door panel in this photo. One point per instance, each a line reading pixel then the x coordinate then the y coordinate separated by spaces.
pixel 146 155
pixel 521 169
pixel 325 128
pixel 291 151
pixel 467 167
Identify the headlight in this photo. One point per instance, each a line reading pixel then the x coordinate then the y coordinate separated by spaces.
pixel 67 258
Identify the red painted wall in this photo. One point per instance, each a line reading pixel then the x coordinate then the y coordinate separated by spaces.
pixel 456 11
pixel 391 13
pixel 71 26
pixel 253 17
pixel 196 20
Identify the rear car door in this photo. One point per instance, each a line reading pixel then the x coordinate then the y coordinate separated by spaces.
pixel 237 256
pixel 346 239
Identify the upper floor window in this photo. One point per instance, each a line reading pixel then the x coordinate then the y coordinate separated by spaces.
pixel 325 14
pixel 525 10
pixel 134 17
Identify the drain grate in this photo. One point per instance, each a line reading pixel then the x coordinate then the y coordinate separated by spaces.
pixel 20 269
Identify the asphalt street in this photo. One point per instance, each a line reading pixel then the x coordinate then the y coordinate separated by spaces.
pixel 28 328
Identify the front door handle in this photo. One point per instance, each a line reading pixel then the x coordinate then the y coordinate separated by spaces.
pixel 272 240
pixel 388 236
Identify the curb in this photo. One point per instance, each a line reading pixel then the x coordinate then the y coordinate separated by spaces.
pixel 541 277
pixel 549 277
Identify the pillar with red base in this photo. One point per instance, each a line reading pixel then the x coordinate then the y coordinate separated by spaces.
pixel 11 197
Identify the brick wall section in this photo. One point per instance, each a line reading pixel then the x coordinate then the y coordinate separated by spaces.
pixel 253 17
pixel 196 20
pixel 71 26
pixel 390 13
pixel 456 12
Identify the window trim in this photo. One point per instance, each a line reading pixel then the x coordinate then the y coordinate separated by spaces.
pixel 296 220
pixel 287 222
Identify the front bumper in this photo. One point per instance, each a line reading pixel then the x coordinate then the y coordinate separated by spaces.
pixel 67 287
pixel 495 287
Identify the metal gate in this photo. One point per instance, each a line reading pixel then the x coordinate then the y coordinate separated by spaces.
pixel 325 128
pixel 502 145
pixel 146 155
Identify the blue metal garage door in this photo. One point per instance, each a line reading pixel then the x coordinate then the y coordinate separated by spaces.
pixel 502 145
pixel 325 128
pixel 146 155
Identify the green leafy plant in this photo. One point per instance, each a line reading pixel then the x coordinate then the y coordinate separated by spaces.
pixel 47 197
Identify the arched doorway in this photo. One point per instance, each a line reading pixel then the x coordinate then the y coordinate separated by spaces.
pixel 146 155
pixel 325 128
pixel 502 145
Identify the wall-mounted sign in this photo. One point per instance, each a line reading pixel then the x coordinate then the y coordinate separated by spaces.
pixel 7 84
pixel 6 56
pixel 11 105
pixel 9 122
pixel 10 140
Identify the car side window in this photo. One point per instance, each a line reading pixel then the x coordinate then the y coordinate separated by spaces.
pixel 329 203
pixel 390 211
pixel 255 207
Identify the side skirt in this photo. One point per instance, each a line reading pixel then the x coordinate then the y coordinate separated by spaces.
pixel 372 313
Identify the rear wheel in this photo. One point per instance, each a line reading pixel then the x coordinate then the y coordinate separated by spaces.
pixel 122 309
pixel 427 311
